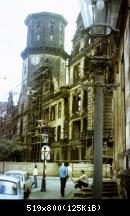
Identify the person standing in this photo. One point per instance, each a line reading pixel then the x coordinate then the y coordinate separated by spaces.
pixel 70 173
pixel 35 174
pixel 63 178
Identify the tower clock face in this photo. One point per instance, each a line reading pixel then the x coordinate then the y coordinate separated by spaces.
pixel 35 60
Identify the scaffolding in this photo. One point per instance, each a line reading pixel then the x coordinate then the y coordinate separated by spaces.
pixel 37 127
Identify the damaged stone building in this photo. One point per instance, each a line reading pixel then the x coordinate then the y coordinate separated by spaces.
pixel 56 105
pixel 78 144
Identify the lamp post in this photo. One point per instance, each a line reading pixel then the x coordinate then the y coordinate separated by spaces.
pixel 45 155
pixel 99 18
pixel 43 187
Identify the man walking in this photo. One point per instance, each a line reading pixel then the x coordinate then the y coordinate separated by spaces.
pixel 63 177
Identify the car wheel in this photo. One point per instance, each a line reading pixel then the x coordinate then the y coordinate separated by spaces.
pixel 26 194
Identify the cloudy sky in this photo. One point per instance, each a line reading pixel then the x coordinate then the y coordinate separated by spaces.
pixel 13 35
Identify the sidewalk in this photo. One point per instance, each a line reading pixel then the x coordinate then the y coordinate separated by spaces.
pixel 52 189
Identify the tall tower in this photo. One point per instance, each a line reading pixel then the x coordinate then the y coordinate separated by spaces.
pixel 45 43
pixel 43 72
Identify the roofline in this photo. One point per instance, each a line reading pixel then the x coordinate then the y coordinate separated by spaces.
pixel 15 171
pixel 27 20
pixel 9 178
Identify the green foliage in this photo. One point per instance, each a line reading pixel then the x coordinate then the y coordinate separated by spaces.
pixel 10 146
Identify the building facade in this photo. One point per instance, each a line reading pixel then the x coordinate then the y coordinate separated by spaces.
pixel 79 121
pixel 121 96
pixel 64 111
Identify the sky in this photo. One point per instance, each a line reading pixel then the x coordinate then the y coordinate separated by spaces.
pixel 13 35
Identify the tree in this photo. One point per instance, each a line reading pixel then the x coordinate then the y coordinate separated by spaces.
pixel 11 147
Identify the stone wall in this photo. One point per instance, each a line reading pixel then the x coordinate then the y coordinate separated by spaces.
pixel 52 169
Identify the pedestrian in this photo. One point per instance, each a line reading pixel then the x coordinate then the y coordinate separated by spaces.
pixel 69 170
pixel 63 172
pixel 70 173
pixel 82 181
pixel 35 174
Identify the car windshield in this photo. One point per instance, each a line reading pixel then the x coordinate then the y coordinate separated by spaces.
pixel 17 175
pixel 8 187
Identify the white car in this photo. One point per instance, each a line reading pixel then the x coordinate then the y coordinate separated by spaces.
pixel 25 180
pixel 10 188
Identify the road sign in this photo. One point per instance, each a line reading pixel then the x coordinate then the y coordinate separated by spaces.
pixel 45 153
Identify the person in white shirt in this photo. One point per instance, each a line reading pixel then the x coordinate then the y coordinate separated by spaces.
pixel 82 181
pixel 35 174
pixel 69 170
pixel 70 173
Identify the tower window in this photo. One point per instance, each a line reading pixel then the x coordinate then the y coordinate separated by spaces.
pixel 52 31
pixel 51 37
pixel 38 27
pixel 38 37
pixel 52 27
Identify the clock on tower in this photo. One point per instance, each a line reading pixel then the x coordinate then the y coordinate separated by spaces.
pixel 35 59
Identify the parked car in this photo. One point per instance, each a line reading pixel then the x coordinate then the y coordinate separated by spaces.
pixel 10 188
pixel 25 180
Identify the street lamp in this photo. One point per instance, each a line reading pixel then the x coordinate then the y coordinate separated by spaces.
pixel 99 18
pixel 45 155
pixel 43 187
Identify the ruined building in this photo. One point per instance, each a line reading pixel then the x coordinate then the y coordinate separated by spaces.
pixel 50 107
pixel 43 73
pixel 75 133
pixel 56 105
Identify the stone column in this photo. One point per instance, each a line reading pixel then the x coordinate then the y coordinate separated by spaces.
pixel 55 154
pixel 69 154
pixel 61 154
pixel 86 149
pixel 79 150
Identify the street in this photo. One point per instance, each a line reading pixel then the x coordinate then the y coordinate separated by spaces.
pixel 52 189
